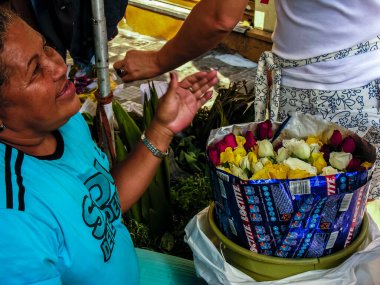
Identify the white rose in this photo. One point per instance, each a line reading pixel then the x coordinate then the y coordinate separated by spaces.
pixel 329 170
pixel 257 167
pixel 265 160
pixel 265 148
pixel 298 147
pixel 295 163
pixel 237 171
pixel 340 160
pixel 315 148
pixel 282 154
pixel 244 163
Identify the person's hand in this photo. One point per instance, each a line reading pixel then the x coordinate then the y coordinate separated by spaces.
pixel 177 108
pixel 138 65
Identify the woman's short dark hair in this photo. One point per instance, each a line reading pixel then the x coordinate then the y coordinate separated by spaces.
pixel 6 18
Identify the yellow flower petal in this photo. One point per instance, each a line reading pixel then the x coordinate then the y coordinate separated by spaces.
pixel 366 164
pixel 313 140
pixel 261 174
pixel 227 156
pixel 278 171
pixel 318 161
pixel 240 140
pixel 298 174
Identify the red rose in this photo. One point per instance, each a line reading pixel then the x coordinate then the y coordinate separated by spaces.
pixel 349 145
pixel 264 130
pixel 326 152
pixel 213 155
pixel 336 138
pixel 249 140
pixel 230 140
pixel 221 146
pixel 354 165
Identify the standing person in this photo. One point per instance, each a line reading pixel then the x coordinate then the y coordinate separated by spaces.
pixel 325 61
pixel 60 204
pixel 208 23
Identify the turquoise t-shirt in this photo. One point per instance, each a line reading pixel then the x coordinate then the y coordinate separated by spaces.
pixel 60 218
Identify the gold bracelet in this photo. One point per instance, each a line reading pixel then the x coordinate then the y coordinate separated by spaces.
pixel 155 151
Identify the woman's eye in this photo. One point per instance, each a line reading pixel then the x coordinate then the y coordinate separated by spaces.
pixel 36 69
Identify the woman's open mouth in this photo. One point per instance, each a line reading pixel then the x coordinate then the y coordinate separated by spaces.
pixel 67 91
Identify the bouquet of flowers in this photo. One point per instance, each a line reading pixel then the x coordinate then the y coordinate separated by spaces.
pixel 296 189
pixel 251 157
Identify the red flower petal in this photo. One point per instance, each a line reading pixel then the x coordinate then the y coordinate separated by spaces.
pixel 230 140
pixel 354 164
pixel 349 145
pixel 336 138
pixel 264 130
pixel 213 155
pixel 250 140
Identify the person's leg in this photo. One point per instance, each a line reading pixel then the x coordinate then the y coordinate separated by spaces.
pixel 162 269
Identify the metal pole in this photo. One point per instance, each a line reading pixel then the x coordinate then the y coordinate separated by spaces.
pixel 101 58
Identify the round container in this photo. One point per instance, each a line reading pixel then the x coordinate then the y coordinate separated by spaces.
pixel 264 268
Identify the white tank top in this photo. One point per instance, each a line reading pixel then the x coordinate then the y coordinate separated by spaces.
pixel 308 28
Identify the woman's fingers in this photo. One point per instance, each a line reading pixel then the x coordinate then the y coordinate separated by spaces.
pixel 200 82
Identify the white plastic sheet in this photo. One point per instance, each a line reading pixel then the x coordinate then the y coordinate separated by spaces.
pixel 362 268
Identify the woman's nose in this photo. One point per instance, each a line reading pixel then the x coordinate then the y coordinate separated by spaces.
pixel 55 66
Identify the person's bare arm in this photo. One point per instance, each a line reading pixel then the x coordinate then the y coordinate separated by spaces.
pixel 175 111
pixel 209 22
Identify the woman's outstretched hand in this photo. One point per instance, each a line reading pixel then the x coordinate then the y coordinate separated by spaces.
pixel 177 108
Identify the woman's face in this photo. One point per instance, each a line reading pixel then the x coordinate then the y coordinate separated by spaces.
pixel 38 96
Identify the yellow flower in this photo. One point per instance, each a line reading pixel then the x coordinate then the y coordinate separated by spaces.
pixel 252 157
pixel 298 174
pixel 239 150
pixel 261 174
pixel 318 161
pixel 277 171
pixel 227 156
pixel 366 164
pixel 313 140
pixel 224 169
pixel 240 140
pixel 239 153
pixel 237 160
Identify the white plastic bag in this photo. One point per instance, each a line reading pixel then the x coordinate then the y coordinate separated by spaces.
pixel 362 268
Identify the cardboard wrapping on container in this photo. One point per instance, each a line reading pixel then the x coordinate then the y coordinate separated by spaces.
pixel 265 15
pixel 293 218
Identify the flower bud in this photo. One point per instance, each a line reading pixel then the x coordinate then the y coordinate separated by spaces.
pixel 213 155
pixel 250 140
pixel 227 156
pixel 298 147
pixel 230 140
pixel 244 163
pixel 240 140
pixel 336 139
pixel 282 154
pixel 355 165
pixel 237 171
pixel 329 170
pixel 221 146
pixel 295 163
pixel 264 130
pixel 325 149
pixel 349 145
pixel 340 160
pixel 265 148
pixel 257 167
